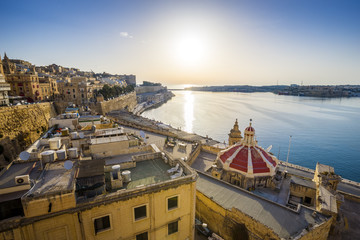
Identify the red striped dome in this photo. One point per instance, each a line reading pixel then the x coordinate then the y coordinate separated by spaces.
pixel 250 129
pixel 248 158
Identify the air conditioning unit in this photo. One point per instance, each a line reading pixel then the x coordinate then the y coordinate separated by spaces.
pixel 23 179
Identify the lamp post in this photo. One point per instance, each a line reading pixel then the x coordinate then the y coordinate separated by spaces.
pixel 287 158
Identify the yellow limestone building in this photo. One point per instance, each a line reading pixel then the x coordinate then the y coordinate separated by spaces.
pixel 140 196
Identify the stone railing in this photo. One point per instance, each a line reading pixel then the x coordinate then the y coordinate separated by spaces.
pixel 297 167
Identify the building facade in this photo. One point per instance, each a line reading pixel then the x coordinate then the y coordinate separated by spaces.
pixel 4 87
pixel 146 196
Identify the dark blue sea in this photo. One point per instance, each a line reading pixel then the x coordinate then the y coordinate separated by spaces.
pixel 322 130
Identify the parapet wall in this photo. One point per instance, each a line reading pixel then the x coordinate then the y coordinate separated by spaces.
pixel 20 126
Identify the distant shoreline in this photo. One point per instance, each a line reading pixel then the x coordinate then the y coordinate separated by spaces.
pixel 320 91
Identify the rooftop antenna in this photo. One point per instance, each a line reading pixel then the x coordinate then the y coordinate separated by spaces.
pixel 287 158
pixel 279 153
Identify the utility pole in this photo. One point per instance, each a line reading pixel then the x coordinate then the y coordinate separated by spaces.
pixel 287 158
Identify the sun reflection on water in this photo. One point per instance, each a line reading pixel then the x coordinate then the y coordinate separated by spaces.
pixel 189 111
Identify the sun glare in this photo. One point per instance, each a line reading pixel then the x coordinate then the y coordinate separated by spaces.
pixel 190 50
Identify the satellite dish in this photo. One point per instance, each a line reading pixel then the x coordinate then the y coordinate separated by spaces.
pixel 68 164
pixel 24 156
pixel 142 134
pixel 269 148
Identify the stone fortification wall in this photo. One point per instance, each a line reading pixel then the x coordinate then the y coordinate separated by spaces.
pixel 127 101
pixel 147 89
pixel 20 126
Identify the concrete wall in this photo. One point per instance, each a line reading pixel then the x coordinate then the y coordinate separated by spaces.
pixel 20 126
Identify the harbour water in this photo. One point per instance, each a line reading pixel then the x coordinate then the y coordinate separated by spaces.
pixel 322 130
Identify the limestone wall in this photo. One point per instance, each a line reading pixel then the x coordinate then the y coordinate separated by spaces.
pixel 127 101
pixel 20 126
pixel 211 149
pixel 230 223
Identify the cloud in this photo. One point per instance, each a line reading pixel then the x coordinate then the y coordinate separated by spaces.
pixel 125 35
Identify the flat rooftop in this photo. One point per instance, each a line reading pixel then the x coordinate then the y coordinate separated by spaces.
pixel 7 179
pixel 103 140
pixel 324 168
pixel 303 182
pixel 148 172
pixel 204 161
pixel 284 222
pixel 55 179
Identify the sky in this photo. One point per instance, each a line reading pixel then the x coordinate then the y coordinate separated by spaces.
pixel 198 42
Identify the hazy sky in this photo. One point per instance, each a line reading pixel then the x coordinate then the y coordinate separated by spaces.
pixel 257 42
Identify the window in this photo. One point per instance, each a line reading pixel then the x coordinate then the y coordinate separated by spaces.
pixel 172 202
pixel 142 236
pixel 101 224
pixel 140 212
pixel 172 227
pixel 307 200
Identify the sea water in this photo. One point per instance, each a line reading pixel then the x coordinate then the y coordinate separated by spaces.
pixel 323 130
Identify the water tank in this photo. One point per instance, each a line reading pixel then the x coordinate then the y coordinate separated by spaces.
pixel 61 154
pixel 116 168
pixel 126 176
pixel 34 155
pixel 115 171
pixel 65 131
pixel 74 135
pixel 48 156
pixel 73 152
pixel 55 143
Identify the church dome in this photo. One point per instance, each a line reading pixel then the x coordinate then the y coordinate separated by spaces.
pixel 248 158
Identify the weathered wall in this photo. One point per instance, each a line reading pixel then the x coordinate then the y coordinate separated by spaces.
pixel 227 223
pixel 127 101
pixel 20 126
pixel 301 191
pixel 233 224
pixel 210 149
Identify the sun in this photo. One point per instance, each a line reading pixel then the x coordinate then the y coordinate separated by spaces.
pixel 190 50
